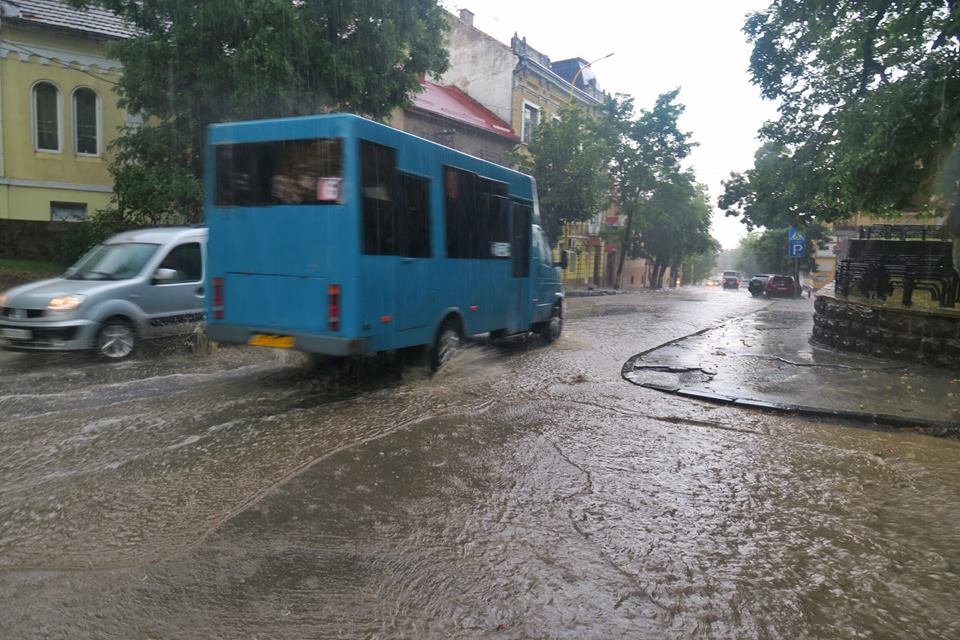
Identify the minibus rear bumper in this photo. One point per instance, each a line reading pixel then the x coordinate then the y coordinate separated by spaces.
pixel 311 343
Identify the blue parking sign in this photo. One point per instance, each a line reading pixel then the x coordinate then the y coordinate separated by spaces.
pixel 796 250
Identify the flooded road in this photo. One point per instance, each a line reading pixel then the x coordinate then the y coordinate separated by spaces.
pixel 523 492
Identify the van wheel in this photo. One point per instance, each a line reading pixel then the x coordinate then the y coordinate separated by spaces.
pixel 550 330
pixel 446 344
pixel 116 339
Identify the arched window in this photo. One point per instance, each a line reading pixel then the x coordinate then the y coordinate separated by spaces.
pixel 86 121
pixel 46 117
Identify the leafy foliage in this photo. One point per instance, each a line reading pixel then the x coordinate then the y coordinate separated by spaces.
pixel 676 224
pixel 192 64
pixel 766 251
pixel 568 160
pixel 869 115
pixel 645 155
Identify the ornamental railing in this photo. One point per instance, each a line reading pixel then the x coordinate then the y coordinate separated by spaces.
pixel 877 268
pixel 904 232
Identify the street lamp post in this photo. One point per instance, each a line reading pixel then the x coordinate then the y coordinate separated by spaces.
pixel 573 82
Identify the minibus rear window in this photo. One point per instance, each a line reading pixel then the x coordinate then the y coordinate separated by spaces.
pixel 304 172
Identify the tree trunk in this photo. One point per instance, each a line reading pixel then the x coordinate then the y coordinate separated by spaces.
pixel 657 281
pixel 675 275
pixel 624 247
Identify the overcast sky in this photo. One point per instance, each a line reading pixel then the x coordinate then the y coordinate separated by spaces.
pixel 696 45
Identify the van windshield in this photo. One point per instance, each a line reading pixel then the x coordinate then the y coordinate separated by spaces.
pixel 113 261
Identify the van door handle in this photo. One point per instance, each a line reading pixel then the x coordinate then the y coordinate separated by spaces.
pixel 199 291
pixel 405 260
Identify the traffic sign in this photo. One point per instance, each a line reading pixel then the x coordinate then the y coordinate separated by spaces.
pixel 796 241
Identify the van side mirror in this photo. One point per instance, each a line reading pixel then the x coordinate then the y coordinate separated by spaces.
pixel 564 259
pixel 164 275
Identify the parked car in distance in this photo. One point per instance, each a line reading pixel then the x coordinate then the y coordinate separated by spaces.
pixel 758 284
pixel 782 286
pixel 731 280
pixel 140 284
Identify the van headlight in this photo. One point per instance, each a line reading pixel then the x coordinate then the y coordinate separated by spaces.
pixel 65 303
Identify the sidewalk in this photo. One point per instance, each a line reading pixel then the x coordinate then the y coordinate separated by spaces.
pixel 765 360
pixel 584 293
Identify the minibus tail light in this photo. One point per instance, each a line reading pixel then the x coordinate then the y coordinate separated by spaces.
pixel 218 298
pixel 333 307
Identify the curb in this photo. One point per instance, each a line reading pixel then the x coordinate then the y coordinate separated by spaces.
pixel 936 427
pixel 587 293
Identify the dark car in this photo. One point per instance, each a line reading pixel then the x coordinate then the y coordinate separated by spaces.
pixel 781 286
pixel 730 280
pixel 758 284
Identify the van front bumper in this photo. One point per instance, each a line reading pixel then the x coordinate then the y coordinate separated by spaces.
pixel 71 335
pixel 326 345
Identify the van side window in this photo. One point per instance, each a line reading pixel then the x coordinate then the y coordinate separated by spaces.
pixel 378 182
pixel 520 239
pixel 477 216
pixel 546 254
pixel 413 216
pixel 186 260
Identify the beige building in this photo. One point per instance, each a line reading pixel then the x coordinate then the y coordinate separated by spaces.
pixel 59 111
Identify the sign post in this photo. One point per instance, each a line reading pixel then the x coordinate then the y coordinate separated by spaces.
pixel 796 245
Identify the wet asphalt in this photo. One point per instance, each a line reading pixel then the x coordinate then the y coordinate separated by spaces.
pixel 522 492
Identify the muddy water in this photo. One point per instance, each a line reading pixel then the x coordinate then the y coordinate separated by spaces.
pixel 523 492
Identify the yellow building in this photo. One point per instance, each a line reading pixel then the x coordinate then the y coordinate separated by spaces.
pixel 58 109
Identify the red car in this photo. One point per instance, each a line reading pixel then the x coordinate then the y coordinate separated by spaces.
pixel 782 286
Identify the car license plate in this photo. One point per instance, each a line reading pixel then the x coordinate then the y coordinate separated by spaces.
pixel 16 334
pixel 267 340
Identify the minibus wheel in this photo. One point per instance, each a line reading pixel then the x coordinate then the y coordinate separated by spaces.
pixel 446 343
pixel 551 329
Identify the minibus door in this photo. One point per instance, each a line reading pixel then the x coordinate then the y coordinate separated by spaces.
pixel 414 295
pixel 520 240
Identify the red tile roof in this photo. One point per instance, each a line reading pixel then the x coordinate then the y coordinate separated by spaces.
pixel 454 104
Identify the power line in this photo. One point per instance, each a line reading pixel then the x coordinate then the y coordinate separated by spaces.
pixel 20 47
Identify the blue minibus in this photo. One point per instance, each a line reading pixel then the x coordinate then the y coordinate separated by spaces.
pixel 337 235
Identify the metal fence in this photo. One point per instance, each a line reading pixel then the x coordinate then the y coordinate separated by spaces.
pixel 910 258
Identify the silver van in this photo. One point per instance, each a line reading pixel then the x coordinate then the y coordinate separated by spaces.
pixel 138 284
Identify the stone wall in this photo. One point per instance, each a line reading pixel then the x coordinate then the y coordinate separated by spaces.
pixel 32 240
pixel 899 334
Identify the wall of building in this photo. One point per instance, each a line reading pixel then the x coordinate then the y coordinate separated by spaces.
pixel 453 134
pixel 482 67
pixel 33 179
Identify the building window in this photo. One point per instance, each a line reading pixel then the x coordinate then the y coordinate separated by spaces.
pixel 531 118
pixel 68 211
pixel 46 117
pixel 86 121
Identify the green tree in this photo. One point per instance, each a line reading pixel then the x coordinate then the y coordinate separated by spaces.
pixel 568 161
pixel 869 114
pixel 191 64
pixel 675 226
pixel 703 265
pixel 766 251
pixel 645 151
